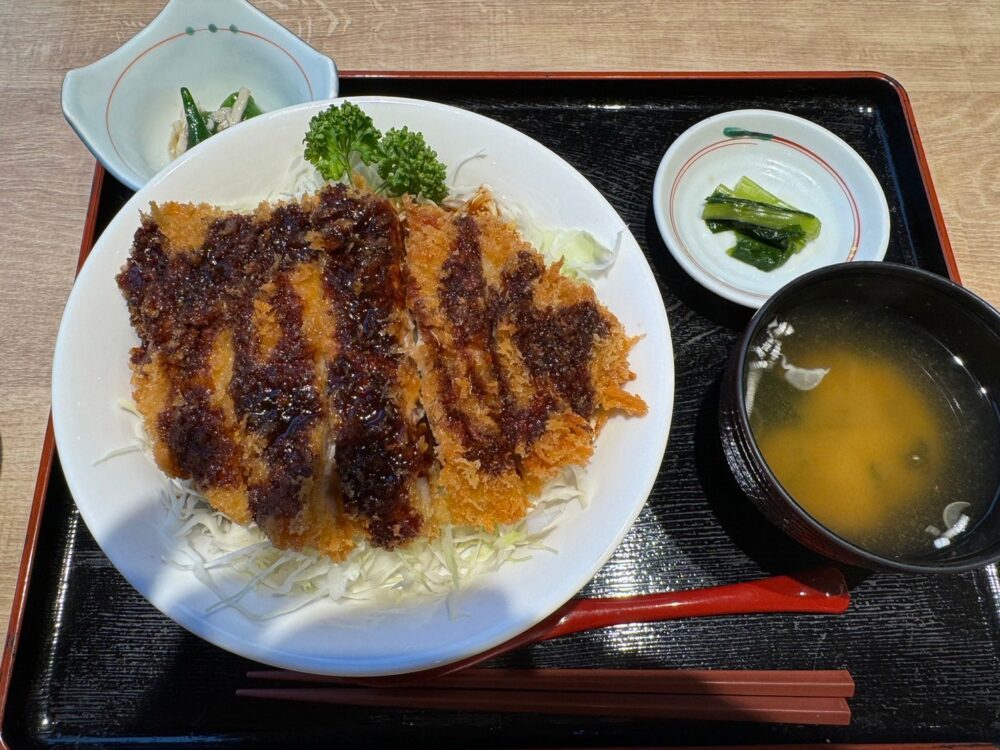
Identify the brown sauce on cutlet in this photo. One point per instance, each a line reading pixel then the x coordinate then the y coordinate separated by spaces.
pixel 145 267
pixel 269 394
pixel 278 400
pixel 195 432
pixel 286 235
pixel 377 451
pixel 492 448
pixel 463 287
pixel 555 344
pixel 171 301
pixel 240 263
pixel 463 296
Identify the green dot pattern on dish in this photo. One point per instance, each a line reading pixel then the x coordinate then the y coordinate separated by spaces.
pixel 232 28
pixel 213 28
pixel 741 133
pixel 189 31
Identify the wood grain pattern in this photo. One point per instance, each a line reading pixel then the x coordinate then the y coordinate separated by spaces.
pixel 947 56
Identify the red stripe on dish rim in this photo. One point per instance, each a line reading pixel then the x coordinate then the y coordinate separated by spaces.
pixel 750 141
pixel 107 107
pixel 290 56
pixel 111 96
pixel 855 213
pixel 673 221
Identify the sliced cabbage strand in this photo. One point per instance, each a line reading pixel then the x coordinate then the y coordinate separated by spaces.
pixel 581 253
pixel 480 154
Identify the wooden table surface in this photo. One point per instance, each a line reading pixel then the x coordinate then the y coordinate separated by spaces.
pixel 945 54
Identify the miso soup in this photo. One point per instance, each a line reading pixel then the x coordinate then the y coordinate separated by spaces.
pixel 875 428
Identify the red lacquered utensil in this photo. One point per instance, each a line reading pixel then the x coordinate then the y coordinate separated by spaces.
pixel 822 591
pixel 765 709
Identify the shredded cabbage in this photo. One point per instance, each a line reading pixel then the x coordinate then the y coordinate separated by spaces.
pixel 581 253
pixel 202 540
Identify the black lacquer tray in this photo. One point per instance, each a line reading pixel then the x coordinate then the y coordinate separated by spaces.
pixel 90 663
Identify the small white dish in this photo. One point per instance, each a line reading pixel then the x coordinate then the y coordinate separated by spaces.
pixel 122 106
pixel 120 501
pixel 795 159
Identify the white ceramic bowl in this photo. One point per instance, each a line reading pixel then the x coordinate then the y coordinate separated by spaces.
pixel 797 160
pixel 122 106
pixel 118 499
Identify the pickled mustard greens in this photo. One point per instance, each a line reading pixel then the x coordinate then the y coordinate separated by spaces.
pixel 768 230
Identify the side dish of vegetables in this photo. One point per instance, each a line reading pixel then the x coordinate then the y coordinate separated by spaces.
pixel 197 124
pixel 768 230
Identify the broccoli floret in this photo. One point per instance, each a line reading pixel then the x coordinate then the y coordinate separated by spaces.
pixel 407 164
pixel 337 133
pixel 403 160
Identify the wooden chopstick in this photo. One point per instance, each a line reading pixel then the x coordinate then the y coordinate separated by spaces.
pixel 751 708
pixel 768 696
pixel 833 683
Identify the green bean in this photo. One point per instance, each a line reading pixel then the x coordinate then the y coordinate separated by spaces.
pixel 252 109
pixel 197 130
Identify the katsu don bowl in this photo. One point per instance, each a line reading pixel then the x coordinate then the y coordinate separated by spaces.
pixel 122 339
pixel 859 414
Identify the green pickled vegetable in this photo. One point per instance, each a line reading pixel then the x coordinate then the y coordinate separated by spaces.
pixel 747 188
pixel 197 130
pixel 758 254
pixel 720 226
pixel 252 109
pixel 768 229
pixel 782 221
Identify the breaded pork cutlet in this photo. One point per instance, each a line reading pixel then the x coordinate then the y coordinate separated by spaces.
pixel 308 372
pixel 520 365
pixel 271 369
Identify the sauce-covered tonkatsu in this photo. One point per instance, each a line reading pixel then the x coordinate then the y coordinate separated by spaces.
pixel 519 365
pixel 335 374
pixel 271 369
